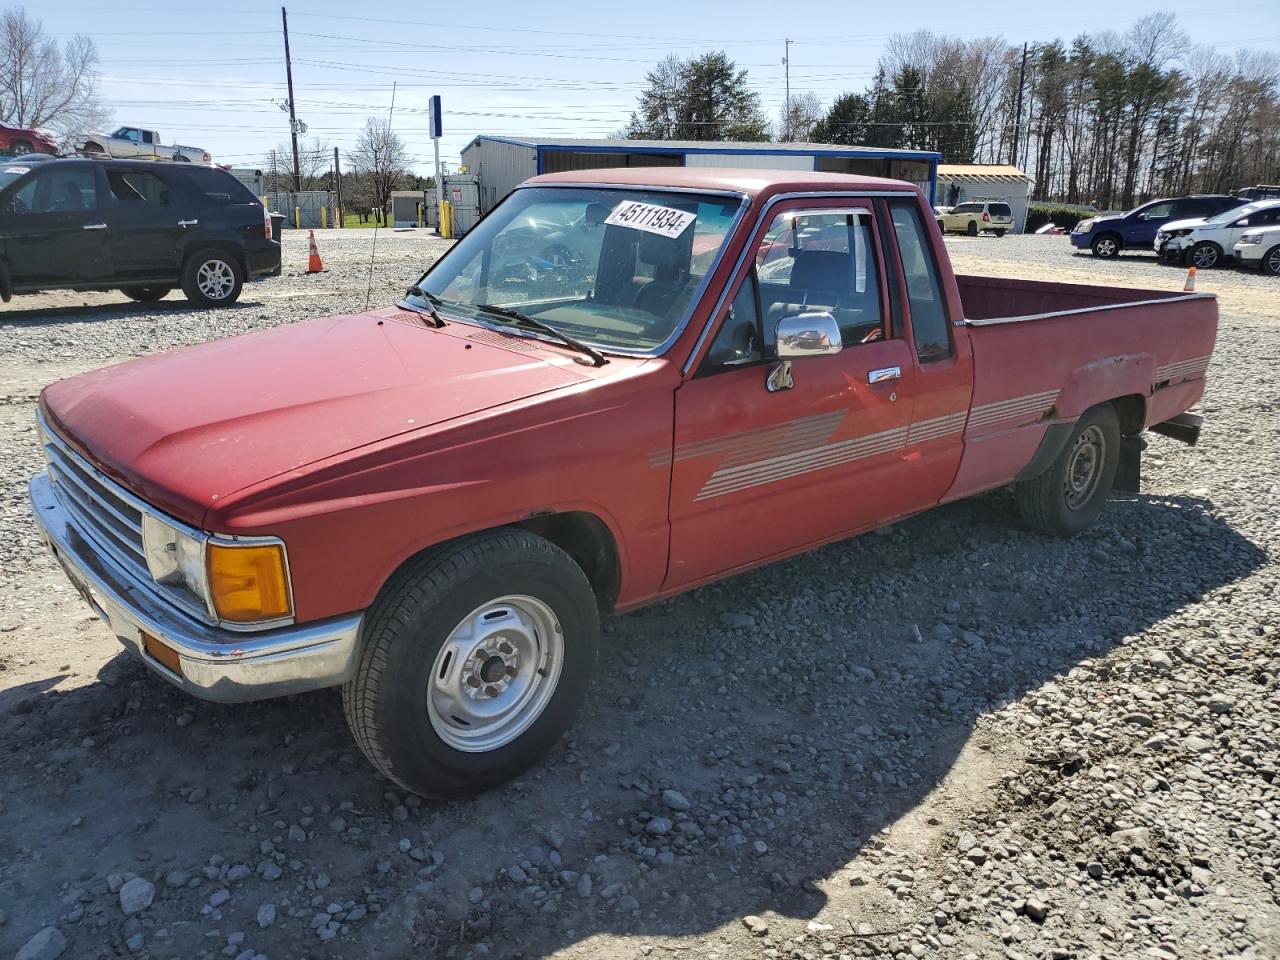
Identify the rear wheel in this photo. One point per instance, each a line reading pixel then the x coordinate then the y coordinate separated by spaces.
pixel 1107 245
pixel 999 233
pixel 1271 261
pixel 972 229
pixel 1070 494
pixel 146 294
pixel 474 662
pixel 212 278
pixel 1205 255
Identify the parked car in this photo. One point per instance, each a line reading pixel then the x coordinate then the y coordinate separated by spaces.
pixel 433 503
pixel 19 141
pixel 134 143
pixel 1260 191
pixel 142 228
pixel 1207 243
pixel 1107 235
pixel 1260 250
pixel 977 216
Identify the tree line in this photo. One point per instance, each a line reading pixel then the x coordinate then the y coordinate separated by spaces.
pixel 1110 119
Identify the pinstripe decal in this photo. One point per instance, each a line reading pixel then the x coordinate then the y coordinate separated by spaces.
pixel 924 430
pixel 741 446
pixel 1031 406
pixel 1184 369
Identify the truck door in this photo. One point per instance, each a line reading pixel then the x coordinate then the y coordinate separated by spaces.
pixel 758 473
pixel 144 216
pixel 54 229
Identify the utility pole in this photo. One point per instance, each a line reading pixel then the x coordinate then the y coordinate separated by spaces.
pixel 337 183
pixel 293 115
pixel 786 115
pixel 1017 120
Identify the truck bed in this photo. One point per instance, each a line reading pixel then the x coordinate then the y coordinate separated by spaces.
pixel 1044 352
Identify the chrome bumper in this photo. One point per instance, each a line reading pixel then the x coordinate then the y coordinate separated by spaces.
pixel 219 665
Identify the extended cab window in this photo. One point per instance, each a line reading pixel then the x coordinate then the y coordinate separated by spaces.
pixel 929 327
pixel 823 262
pixel 137 188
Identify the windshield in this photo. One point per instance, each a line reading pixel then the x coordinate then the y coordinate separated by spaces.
pixel 616 268
pixel 11 172
pixel 1227 216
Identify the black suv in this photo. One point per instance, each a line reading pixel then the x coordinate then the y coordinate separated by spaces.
pixel 142 227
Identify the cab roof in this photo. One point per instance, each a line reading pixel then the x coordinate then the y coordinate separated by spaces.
pixel 752 183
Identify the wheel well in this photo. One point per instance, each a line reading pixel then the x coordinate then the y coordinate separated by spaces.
pixel 584 537
pixel 1131 411
pixel 1109 233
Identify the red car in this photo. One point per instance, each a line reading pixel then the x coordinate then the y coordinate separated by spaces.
pixel 17 142
pixel 432 504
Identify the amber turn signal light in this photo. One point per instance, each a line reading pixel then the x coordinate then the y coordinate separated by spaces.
pixel 248 583
pixel 162 653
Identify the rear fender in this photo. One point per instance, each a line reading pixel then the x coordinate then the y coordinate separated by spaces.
pixel 1126 375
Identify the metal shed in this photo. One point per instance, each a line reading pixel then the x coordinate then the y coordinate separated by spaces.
pixel 958 182
pixel 503 163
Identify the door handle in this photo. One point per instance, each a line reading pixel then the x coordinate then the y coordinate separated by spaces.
pixel 883 374
pixel 95 226
pixel 187 223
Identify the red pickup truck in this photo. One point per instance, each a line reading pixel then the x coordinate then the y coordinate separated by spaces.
pixel 620 385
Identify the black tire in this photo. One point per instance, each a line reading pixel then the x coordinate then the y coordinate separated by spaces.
pixel 972 229
pixel 999 233
pixel 146 294
pixel 1055 503
pixel 386 701
pixel 1106 246
pixel 1270 262
pixel 942 228
pixel 212 277
pixel 1205 255
pixel 21 148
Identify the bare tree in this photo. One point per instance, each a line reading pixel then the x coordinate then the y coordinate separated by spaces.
pixel 43 84
pixel 806 110
pixel 315 160
pixel 380 159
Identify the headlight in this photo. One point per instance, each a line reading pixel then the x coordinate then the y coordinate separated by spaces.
pixel 248 583
pixel 174 558
pixel 1083 226
pixel 1249 239
pixel 238 582
pixel 1162 235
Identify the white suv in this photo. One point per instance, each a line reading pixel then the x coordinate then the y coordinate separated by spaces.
pixel 1206 243
pixel 1260 250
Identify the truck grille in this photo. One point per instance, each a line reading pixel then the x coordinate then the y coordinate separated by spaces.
pixel 103 512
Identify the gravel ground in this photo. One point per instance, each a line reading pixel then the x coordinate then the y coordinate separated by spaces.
pixel 954 739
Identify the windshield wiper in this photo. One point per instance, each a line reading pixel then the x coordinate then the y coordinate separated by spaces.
pixel 432 302
pixel 597 358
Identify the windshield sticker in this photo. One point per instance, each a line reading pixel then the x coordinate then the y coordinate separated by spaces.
pixel 17 170
pixel 651 218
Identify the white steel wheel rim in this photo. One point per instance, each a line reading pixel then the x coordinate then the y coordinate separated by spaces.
pixel 21 150
pixel 215 279
pixel 1205 256
pixel 495 673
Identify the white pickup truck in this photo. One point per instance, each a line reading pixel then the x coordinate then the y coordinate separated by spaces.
pixel 129 143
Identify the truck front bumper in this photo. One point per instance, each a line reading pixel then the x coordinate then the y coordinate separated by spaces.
pixel 208 662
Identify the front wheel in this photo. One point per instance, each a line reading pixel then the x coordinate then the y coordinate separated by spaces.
pixel 212 278
pixel 1070 494
pixel 1106 246
pixel 1271 261
pixel 146 294
pixel 1205 255
pixel 475 660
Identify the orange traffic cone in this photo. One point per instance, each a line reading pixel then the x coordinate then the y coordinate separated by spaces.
pixel 1190 285
pixel 314 264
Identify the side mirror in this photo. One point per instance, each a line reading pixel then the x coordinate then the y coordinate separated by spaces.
pixel 808 335
pixel 802 335
pixel 1242 223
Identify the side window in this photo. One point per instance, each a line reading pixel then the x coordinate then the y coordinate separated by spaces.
pixel 128 133
pixel 738 340
pixel 1186 209
pixel 1159 211
pixel 148 136
pixel 823 261
pixel 1266 218
pixel 929 327
pixel 138 188
pixel 58 191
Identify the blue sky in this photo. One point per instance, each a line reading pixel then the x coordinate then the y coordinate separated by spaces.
pixel 207 74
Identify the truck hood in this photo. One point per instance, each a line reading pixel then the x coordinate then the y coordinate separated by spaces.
pixel 187 428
